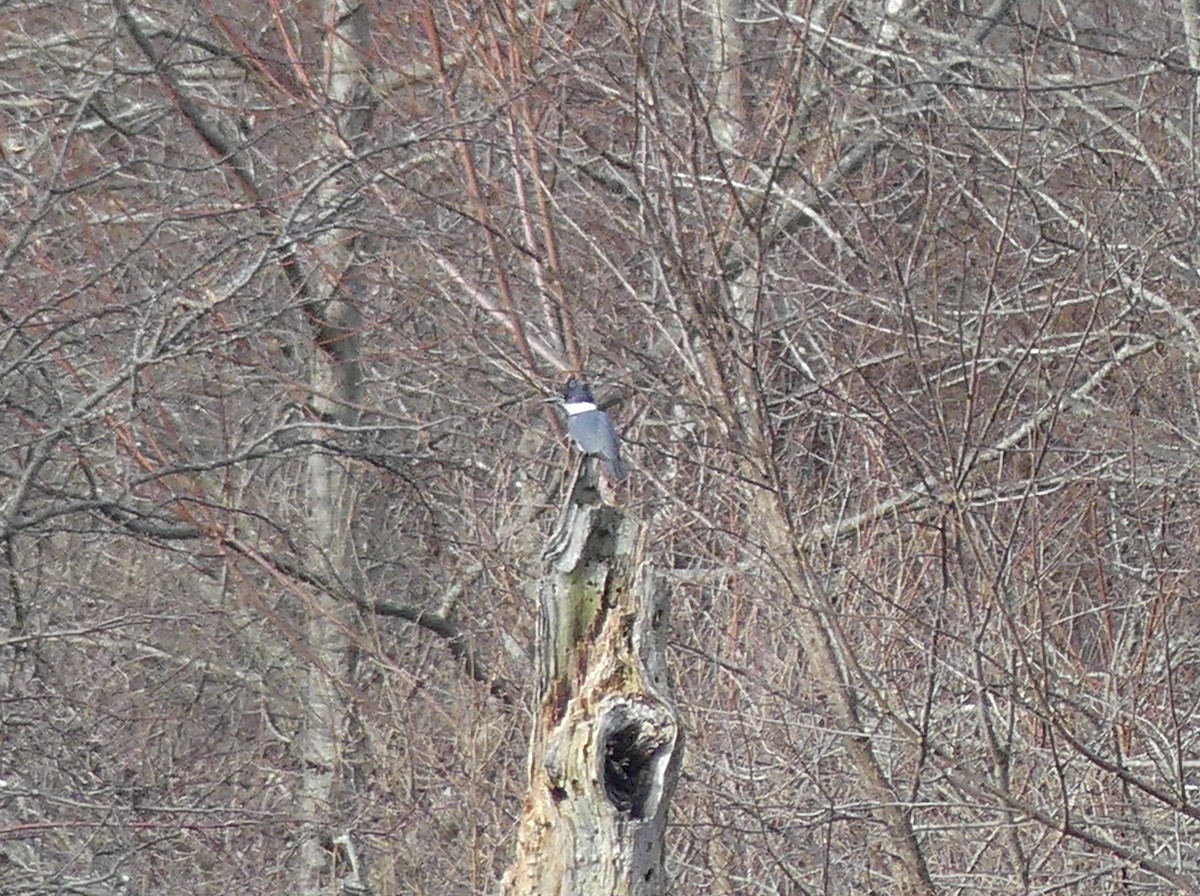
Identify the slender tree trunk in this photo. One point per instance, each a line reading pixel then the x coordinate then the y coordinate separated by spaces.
pixel 335 384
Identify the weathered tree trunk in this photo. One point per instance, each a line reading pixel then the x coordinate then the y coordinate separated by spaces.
pixel 606 746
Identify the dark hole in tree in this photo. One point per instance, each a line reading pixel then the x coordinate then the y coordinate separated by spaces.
pixel 628 770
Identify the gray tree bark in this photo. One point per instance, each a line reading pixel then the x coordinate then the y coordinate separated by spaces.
pixel 607 743
pixel 335 379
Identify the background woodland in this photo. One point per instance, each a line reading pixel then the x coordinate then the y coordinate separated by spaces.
pixel 894 302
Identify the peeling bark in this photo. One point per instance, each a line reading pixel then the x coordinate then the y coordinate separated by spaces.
pixel 606 747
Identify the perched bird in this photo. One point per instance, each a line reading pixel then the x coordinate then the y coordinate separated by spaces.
pixel 591 429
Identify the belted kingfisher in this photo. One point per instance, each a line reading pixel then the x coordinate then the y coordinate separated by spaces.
pixel 591 429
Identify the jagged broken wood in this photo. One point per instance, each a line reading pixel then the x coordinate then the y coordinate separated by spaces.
pixel 606 746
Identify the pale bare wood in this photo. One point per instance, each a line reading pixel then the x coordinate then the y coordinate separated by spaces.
pixel 607 741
